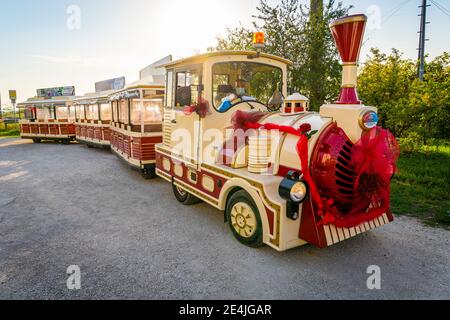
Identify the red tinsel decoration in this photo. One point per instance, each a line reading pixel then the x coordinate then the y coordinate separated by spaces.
pixel 374 157
pixel 201 108
pixel 240 118
pixel 302 151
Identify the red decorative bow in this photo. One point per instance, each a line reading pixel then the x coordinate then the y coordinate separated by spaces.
pixel 201 108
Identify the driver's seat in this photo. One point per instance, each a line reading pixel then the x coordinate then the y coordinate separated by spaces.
pixel 223 90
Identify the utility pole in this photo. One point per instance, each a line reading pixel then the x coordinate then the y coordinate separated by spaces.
pixel 422 39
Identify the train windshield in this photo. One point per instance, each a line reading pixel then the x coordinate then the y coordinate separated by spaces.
pixel 240 82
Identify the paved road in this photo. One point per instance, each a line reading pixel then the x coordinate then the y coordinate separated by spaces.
pixel 69 205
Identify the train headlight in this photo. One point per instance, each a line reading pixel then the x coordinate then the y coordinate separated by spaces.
pixel 369 120
pixel 294 191
pixel 298 192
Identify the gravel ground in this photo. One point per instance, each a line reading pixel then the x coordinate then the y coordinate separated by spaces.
pixel 70 205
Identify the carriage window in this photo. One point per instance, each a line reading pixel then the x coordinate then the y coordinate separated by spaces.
pixel 71 113
pixel 95 115
pixel 28 113
pixel 105 112
pixel 80 112
pixel 150 110
pixel 44 114
pixel 123 111
pixel 114 110
pixel 184 87
pixel 237 82
pixel 89 113
pixel 62 113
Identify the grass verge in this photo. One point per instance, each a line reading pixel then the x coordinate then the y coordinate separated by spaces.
pixel 422 187
pixel 10 131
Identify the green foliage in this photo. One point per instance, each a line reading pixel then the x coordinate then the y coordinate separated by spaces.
pixel 420 189
pixel 319 72
pixel 414 110
pixel 10 130
pixel 294 33
pixel 238 38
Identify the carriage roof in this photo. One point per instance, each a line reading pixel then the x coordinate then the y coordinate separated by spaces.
pixel 39 102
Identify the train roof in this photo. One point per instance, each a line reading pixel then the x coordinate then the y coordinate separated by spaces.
pixel 41 102
pixel 204 56
pixel 94 97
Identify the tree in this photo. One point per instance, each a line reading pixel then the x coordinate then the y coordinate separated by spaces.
pixel 239 38
pixel 408 107
pixel 321 70
pixel 295 32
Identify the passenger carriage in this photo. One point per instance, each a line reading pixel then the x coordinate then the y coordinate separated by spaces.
pixel 93 119
pixel 283 176
pixel 137 114
pixel 48 119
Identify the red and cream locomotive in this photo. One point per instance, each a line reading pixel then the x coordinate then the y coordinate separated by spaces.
pixel 284 176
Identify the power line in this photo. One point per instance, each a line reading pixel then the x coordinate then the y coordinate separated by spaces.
pixel 393 12
pixel 441 8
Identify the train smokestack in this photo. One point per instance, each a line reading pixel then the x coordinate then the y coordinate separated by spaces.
pixel 348 32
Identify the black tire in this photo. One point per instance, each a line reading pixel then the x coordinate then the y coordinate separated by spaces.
pixel 148 173
pixel 36 140
pixel 254 238
pixel 184 197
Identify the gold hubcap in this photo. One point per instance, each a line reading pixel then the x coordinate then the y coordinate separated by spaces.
pixel 243 220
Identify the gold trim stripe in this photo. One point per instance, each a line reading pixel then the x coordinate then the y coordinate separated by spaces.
pixel 254 183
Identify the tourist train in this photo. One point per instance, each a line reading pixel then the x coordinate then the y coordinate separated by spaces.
pixel 222 129
pixel 137 115
pixel 93 113
pixel 49 116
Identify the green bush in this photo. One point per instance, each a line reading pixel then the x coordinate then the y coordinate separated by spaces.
pixel 10 130
pixel 420 188
pixel 416 111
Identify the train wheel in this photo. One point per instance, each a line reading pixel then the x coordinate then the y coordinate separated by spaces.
pixel 37 140
pixel 244 219
pixel 184 197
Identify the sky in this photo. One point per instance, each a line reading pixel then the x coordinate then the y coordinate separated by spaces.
pixel 44 44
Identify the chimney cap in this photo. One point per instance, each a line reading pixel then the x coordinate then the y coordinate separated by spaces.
pixel 348 19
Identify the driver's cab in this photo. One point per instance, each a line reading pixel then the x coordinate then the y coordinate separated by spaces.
pixel 204 91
